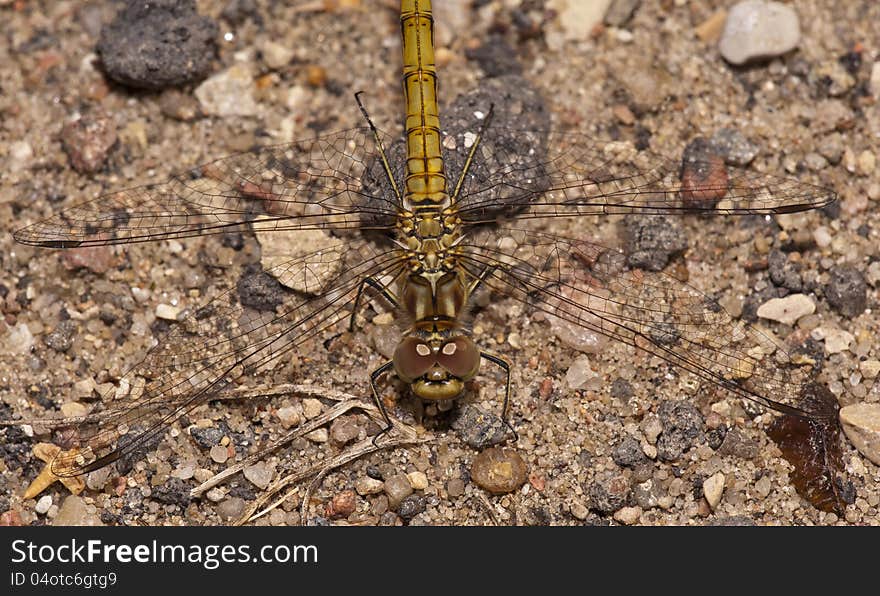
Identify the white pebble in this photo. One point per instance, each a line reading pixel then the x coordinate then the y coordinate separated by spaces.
pixel 861 423
pixel 713 487
pixel 43 504
pixel 756 29
pixel 787 310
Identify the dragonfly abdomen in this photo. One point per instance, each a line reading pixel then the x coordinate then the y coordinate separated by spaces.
pixel 425 186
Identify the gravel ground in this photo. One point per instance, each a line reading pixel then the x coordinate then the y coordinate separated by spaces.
pixel 636 443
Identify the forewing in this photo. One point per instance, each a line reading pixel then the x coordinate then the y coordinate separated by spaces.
pixel 199 357
pixel 564 174
pixel 313 184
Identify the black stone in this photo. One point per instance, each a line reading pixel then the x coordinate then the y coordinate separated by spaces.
pixel 158 44
pixel 206 437
pixel 411 506
pixel 847 291
pixel 651 242
pixel 682 428
pixel 479 429
pixel 173 492
pixel 259 290
pixel 61 338
pixel 628 453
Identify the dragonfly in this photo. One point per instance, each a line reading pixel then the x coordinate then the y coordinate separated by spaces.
pixel 450 221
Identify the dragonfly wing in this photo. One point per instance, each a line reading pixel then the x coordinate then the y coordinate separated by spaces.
pixel 564 174
pixel 200 356
pixel 587 285
pixel 322 183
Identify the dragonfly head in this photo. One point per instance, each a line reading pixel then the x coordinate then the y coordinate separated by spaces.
pixel 437 368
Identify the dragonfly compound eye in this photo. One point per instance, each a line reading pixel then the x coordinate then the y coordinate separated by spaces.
pixel 460 357
pixel 413 358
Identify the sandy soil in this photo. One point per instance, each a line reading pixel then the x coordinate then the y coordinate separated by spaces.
pixel 49 75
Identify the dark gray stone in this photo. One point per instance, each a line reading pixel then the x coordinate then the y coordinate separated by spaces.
pixel 651 242
pixel 608 493
pixel 158 44
pixel 628 453
pixel 847 291
pixel 682 428
pixel 479 429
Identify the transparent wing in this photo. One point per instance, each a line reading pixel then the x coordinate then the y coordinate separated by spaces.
pixel 322 183
pixel 562 174
pixel 201 356
pixel 587 285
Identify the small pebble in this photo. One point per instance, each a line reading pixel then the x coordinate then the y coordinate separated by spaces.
pixel 479 429
pixel 628 453
pixel 411 506
pixel 579 18
pixel 97 479
pixel 709 31
pixel 713 487
pixel 259 474
pixel 206 437
pixel 43 504
pixel 651 242
pixel 231 509
pixel 579 373
pixel 846 291
pixel 836 340
pixel 397 488
pixel 608 493
pixel 621 11
pixel 704 178
pixel 455 488
pixel 628 515
pixel 61 338
pixel 73 409
pixel 861 423
pixel 167 312
pixel 216 494
pixel 97 259
pixel 368 486
pixel 787 310
pixel 312 408
pixel 219 454
pixel 288 416
pixel 88 140
pixel 319 435
pixel 682 427
pixel 756 30
pixel 734 146
pixel 341 505
pixel 276 55
pixel 344 430
pixel 866 163
pixel 418 480
pixel 499 470
pixel 74 512
pixel 579 510
pixel 870 368
pixel 228 93
pixel 874 81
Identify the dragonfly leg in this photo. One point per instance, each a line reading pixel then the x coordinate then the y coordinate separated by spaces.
pixel 479 280
pixel 378 400
pixel 473 151
pixel 505 407
pixel 370 281
pixel 385 165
